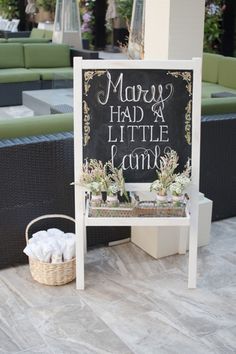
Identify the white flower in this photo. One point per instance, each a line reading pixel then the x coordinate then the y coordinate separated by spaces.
pixel 176 188
pixel 213 9
pixel 113 189
pixel 95 187
pixel 156 185
pixel 182 179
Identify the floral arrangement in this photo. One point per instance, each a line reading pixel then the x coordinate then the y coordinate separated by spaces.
pixel 165 173
pixel 114 182
pixel 92 177
pixel 168 179
pixel 98 177
pixel 180 182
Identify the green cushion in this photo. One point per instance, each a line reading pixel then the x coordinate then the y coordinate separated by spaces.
pixel 54 73
pixel 28 40
pixel 40 125
pixel 48 34
pixel 11 55
pixel 37 33
pixel 218 105
pixel 209 88
pixel 17 75
pixel 210 65
pixel 227 72
pixel 47 55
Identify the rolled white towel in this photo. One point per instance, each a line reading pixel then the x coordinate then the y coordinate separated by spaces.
pixel 35 250
pixel 42 248
pixel 59 243
pixel 56 257
pixel 46 252
pixel 55 232
pixel 29 251
pixel 49 246
pixel 69 250
pixel 38 235
pixel 70 234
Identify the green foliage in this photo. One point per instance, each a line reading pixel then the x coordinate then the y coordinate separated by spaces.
pixel 212 28
pixel 47 5
pixel 87 20
pixel 125 9
pixel 9 9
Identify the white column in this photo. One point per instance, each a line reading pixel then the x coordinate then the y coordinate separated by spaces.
pixel 173 29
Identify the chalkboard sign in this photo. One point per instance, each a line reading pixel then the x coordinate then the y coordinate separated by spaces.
pixel 134 116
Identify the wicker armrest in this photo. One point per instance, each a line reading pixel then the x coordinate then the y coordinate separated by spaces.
pixel 85 54
pixel 36 173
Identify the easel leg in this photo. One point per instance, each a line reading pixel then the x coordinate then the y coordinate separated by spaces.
pixel 192 269
pixel 80 247
pixel 183 237
pixel 85 239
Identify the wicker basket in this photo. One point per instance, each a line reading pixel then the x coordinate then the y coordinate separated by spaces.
pixel 152 209
pixel 122 211
pixel 146 209
pixel 51 273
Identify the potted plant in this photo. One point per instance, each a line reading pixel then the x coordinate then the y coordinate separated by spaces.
pixel 213 25
pixel 87 23
pixel 165 175
pixel 92 178
pixel 113 184
pixel 180 182
pixel 98 177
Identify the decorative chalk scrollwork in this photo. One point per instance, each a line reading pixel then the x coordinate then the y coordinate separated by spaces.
pixel 188 110
pixel 88 76
pixel 86 126
pixel 187 77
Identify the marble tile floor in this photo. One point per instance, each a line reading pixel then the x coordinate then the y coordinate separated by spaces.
pixel 132 304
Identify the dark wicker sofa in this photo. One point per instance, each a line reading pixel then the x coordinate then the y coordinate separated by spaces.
pixel 26 67
pixel 36 173
pixel 218 163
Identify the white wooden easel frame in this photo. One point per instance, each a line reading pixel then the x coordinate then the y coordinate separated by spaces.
pixel 81 215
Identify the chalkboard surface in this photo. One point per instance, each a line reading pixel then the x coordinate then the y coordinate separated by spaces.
pixel 133 116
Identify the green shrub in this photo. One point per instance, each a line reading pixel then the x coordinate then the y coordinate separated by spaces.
pixel 125 10
pixel 47 5
pixel 9 9
pixel 212 28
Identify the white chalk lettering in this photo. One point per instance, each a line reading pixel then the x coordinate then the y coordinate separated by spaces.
pixel 139 159
pixel 135 93
pixel 143 133
pixel 110 140
pixel 132 114
pixel 113 113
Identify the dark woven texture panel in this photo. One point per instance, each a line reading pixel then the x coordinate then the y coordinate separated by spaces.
pixel 36 173
pixel 218 163
pixel 11 93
